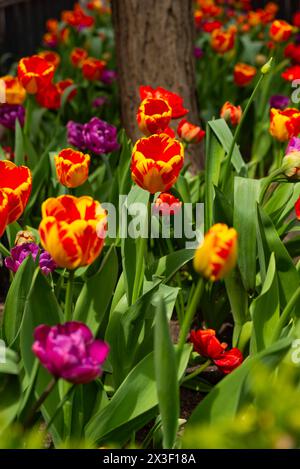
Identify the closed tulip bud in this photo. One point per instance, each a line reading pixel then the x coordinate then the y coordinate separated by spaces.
pixel 72 167
pixel 24 237
pixel 217 254
pixel 231 113
pixel 156 162
pixel 72 230
pixel 153 116
pixel 260 60
pixel 189 132
pixel 267 67
pixel 291 165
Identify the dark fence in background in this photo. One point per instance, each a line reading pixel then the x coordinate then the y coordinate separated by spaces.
pixel 22 23
pixel 287 7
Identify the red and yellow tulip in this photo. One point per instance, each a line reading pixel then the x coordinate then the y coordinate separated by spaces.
pixel 92 68
pixel 14 91
pixel 15 186
pixel 72 167
pixel 3 211
pixel 77 56
pixel 284 124
pixel 243 74
pixel 174 100
pixel 156 162
pixel 280 31
pixel 217 254
pixel 153 116
pixel 222 41
pixel 52 57
pixel 72 230
pixel 35 73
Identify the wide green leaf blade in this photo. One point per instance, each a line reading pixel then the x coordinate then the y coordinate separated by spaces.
pixel 165 364
pixel 246 193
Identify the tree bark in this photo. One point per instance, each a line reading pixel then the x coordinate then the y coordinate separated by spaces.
pixel 154 45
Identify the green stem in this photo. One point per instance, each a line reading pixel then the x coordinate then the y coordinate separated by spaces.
pixel 238 130
pixel 141 249
pixel 189 315
pixel 4 251
pixel 286 314
pixel 39 402
pixel 29 108
pixel 69 297
pixel 196 372
pixel 266 183
pixel 61 404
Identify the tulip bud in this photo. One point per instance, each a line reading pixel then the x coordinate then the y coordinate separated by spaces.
pixel 267 67
pixel 24 237
pixel 291 165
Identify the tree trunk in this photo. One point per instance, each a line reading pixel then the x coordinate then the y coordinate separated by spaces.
pixel 154 44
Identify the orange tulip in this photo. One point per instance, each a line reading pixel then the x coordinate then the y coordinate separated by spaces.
pixel 35 73
pixel 231 113
pixel 153 116
pixel 92 68
pixel 15 184
pixel 243 74
pixel 280 31
pixel 217 254
pixel 72 167
pixel 190 133
pixel 72 230
pixel 14 91
pixel 156 162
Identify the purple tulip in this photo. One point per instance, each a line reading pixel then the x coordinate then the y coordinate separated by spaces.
pixel 75 135
pixel 9 113
pixel 100 137
pixel 21 251
pixel 108 77
pixel 69 351
pixel 279 102
pixel 46 263
pixel 198 52
pixel 294 145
